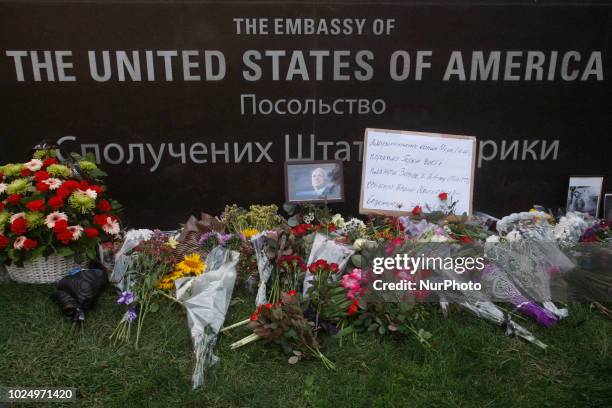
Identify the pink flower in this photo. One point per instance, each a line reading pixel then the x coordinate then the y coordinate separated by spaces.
pixel 34 165
pixel 356 274
pixel 17 216
pixel 111 227
pixel 77 231
pixel 349 283
pixel 352 282
pixel 19 241
pixel 53 183
pixel 54 217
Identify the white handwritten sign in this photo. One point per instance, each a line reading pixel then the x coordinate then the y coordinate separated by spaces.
pixel 403 169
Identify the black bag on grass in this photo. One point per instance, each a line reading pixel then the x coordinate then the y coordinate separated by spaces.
pixel 79 291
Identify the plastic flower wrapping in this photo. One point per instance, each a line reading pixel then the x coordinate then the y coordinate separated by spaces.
pixel 206 299
pixel 314 274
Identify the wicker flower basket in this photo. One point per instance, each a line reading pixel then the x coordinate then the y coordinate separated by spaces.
pixel 41 270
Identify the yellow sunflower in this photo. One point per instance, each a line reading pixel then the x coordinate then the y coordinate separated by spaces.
pixel 191 264
pixel 249 232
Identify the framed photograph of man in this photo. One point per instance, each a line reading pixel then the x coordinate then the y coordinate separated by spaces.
pixel 584 194
pixel 314 181
pixel 608 207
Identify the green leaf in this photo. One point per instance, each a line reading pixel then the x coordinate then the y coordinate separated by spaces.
pixel 154 308
pixel 373 327
pixel 345 331
pixel 37 252
pixel 381 331
pixel 65 251
pixel 91 253
pixel 357 260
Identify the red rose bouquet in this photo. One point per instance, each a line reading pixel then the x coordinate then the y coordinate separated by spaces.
pixel 284 323
pixel 51 207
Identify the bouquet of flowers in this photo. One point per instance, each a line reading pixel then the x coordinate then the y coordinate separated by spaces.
pixel 51 207
pixel 151 271
pixel 284 323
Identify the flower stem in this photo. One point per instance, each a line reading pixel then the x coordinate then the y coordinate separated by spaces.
pixel 243 342
pixel 241 323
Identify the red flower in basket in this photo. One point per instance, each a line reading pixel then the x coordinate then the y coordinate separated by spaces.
pixel 443 196
pixel 4 241
pixel 1 206
pixel 49 161
pixel 56 202
pixel 30 244
pixel 42 187
pixel 36 205
pixel 14 199
pixel 417 210
pixel 64 236
pixel 101 219
pixel 19 226
pixel 41 175
pixel 104 206
pixel 60 225
pixel 91 232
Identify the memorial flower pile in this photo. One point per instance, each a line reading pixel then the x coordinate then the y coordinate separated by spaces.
pixel 313 273
pixel 51 207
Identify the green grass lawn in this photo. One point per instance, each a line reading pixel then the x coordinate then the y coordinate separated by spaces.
pixel 474 363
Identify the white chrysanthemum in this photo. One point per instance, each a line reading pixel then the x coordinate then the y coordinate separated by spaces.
pixel 2 188
pixel 34 165
pixel 18 244
pixel 53 183
pixel 54 217
pixel 354 224
pixel 76 230
pixel 338 221
pixel 17 216
pixel 111 227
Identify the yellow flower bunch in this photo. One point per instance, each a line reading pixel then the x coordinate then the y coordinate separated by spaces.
pixel 191 265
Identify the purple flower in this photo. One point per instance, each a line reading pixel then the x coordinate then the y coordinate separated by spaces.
pixel 126 298
pixel 131 314
pixel 223 238
pixel 206 236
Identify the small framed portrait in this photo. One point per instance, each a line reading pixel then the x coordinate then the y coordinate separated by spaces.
pixel 314 181
pixel 584 194
pixel 608 207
